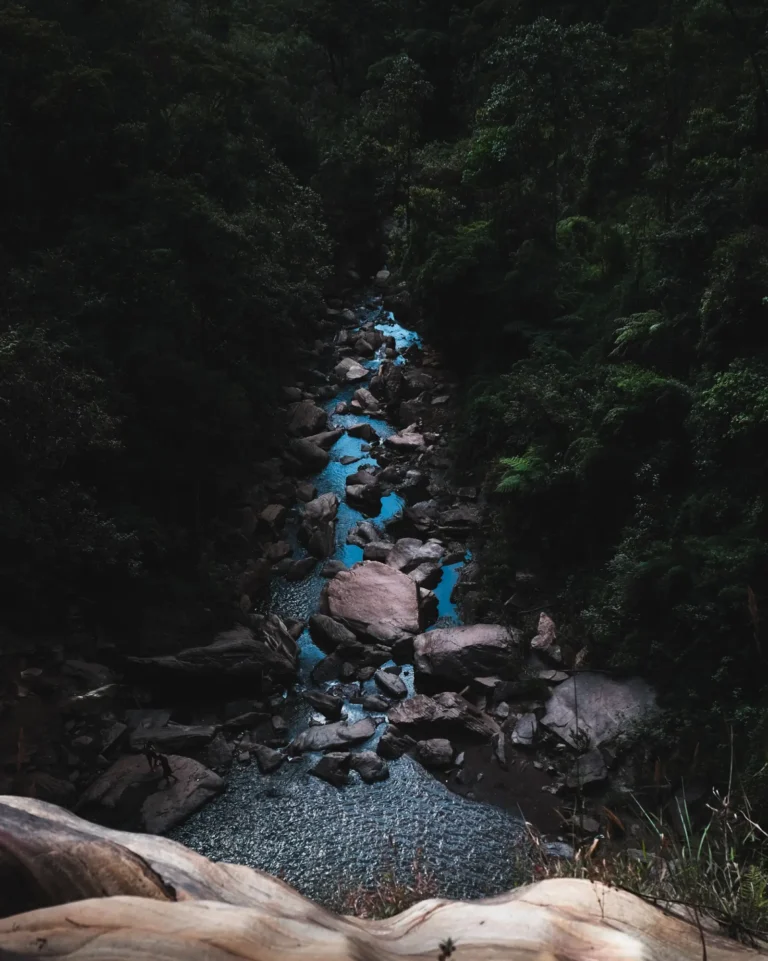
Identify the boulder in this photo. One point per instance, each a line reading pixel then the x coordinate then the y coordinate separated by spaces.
pixel 306 491
pixel 422 516
pixel 299 569
pixel 309 456
pixel 436 752
pixel 278 551
pixel 238 656
pixel 363 533
pixel 461 520
pixel 393 744
pixel 389 383
pixel 366 400
pixel 364 431
pixel 129 793
pixel 318 525
pixel 375 703
pixel 305 418
pixel 370 766
pixel 333 768
pixel 592 709
pixel 348 370
pixel 267 758
pixel 327 438
pixel 327 704
pixel 329 634
pixel 545 642
pixel 392 685
pixel 446 714
pixel 459 654
pixel 377 551
pixel 273 517
pixel 407 441
pixel 524 731
pixel 426 575
pixel 173 738
pixel 588 769
pixel 332 568
pixel 372 593
pixel 409 552
pixel 291 394
pixel 363 348
pixel 416 382
pixel 382 278
pixel 328 737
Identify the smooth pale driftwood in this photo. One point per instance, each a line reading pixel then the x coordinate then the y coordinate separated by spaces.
pixel 190 909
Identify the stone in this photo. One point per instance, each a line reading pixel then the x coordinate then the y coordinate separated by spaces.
pixel 460 520
pixel 373 593
pixel 544 643
pixel 129 793
pixel 375 703
pixel 348 459
pixel 291 394
pixel 499 748
pixel 328 705
pixel 332 568
pixel 392 686
pixel 273 517
pixel 365 497
pixel 318 525
pixel 112 735
pixel 436 752
pixel 326 439
pixel 364 431
pixel 52 789
pixel 278 551
pixel 309 456
pixel 363 533
pixel 382 278
pixel 92 702
pixel 363 348
pixel 348 370
pixel 459 654
pixel 333 768
pixel 417 382
pixel 329 634
pixel 94 675
pixel 137 718
pixel 393 744
pixel 366 399
pixel 305 418
pixel 363 478
pixel 422 515
pixel 377 551
pixel 238 656
pixel 306 491
pixel 409 552
pixel 588 769
pixel 218 755
pixel 525 730
pixel 426 575
pixel 268 759
pixel 299 569
pixel 590 710
pixel 406 441
pixel 552 677
pixel 370 766
pixel 332 736
pixel 447 714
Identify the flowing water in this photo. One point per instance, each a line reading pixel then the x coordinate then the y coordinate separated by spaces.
pixel 322 839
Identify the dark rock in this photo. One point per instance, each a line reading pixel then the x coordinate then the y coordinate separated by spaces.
pixel 409 440
pixel 459 654
pixel 273 517
pixel 318 525
pixel 447 714
pixel 328 705
pixel 326 439
pixel 373 593
pixel 525 730
pixel 364 431
pixel 377 551
pixel 328 634
pixel 332 568
pixel 309 456
pixel 298 570
pixel 408 553
pixel 460 520
pixel 393 744
pixel 93 675
pixel 392 686
pixel 435 752
pixel 331 736
pixel 349 371
pixel 376 704
pixel 306 418
pixel 333 768
pixel 267 758
pixel 588 769
pixel 370 766
pixel 426 575
pixel 306 491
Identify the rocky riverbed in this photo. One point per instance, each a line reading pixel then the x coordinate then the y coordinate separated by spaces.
pixel 315 738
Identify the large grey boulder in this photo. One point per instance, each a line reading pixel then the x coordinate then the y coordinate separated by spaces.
pixel 589 710
pixel 318 525
pixel 350 371
pixel 459 654
pixel 310 457
pixel 238 656
pixel 129 794
pixel 391 684
pixel 410 440
pixel 409 552
pixel 328 634
pixel 445 715
pixel 372 593
pixel 326 439
pixel 306 418
pixel 329 737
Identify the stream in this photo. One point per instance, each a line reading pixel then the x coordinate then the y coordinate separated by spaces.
pixel 325 840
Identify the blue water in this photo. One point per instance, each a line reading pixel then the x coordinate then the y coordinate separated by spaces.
pixel 315 835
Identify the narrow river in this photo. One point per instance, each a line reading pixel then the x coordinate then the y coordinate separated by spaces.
pixel 324 840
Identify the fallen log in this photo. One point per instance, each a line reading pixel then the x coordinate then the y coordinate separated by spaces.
pixel 145 898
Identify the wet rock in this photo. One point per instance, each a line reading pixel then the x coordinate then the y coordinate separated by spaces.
pixel 329 634
pixel 588 769
pixel 426 575
pixel 237 656
pixel 391 685
pixel 295 627
pixel 408 553
pixel 48 788
pixel 111 736
pixel 241 722
pixel 147 717
pixel 525 729
pixel 422 516
pixel 298 570
pixel 364 431
pixel 348 459
pixel 375 703
pixel 332 568
pixel 318 525
pixel 382 278
pixel 305 418
pixel 363 533
pixel 174 738
pixel 366 497
pixel 389 383
pixel 128 793
pixel 218 755
pixel 417 382
pixel 499 748
pixel 267 758
pixel 393 744
pixel 592 709
pixel 459 654
pixel 328 705
pixel 363 348
pixel 333 768
pixel 291 394
pixel 349 371
pixel 327 669
pixel 308 456
pixel 446 714
pixel 552 677
pixel 415 486
pixel 326 439
pixel 377 551
pixel 366 400
pixel 93 675
pixel 273 517
pixel 370 766
pixel 92 702
pixel 460 520
pixel 373 593
pixel 331 736
pixel 278 551
pixel 409 440
pixel 436 752
pixel 544 643
pixel 363 477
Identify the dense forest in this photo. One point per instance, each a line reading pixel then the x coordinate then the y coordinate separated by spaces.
pixel 576 193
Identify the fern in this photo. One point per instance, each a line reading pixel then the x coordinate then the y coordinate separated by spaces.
pixel 521 472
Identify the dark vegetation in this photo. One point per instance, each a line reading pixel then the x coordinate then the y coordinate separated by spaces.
pixel 578 195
